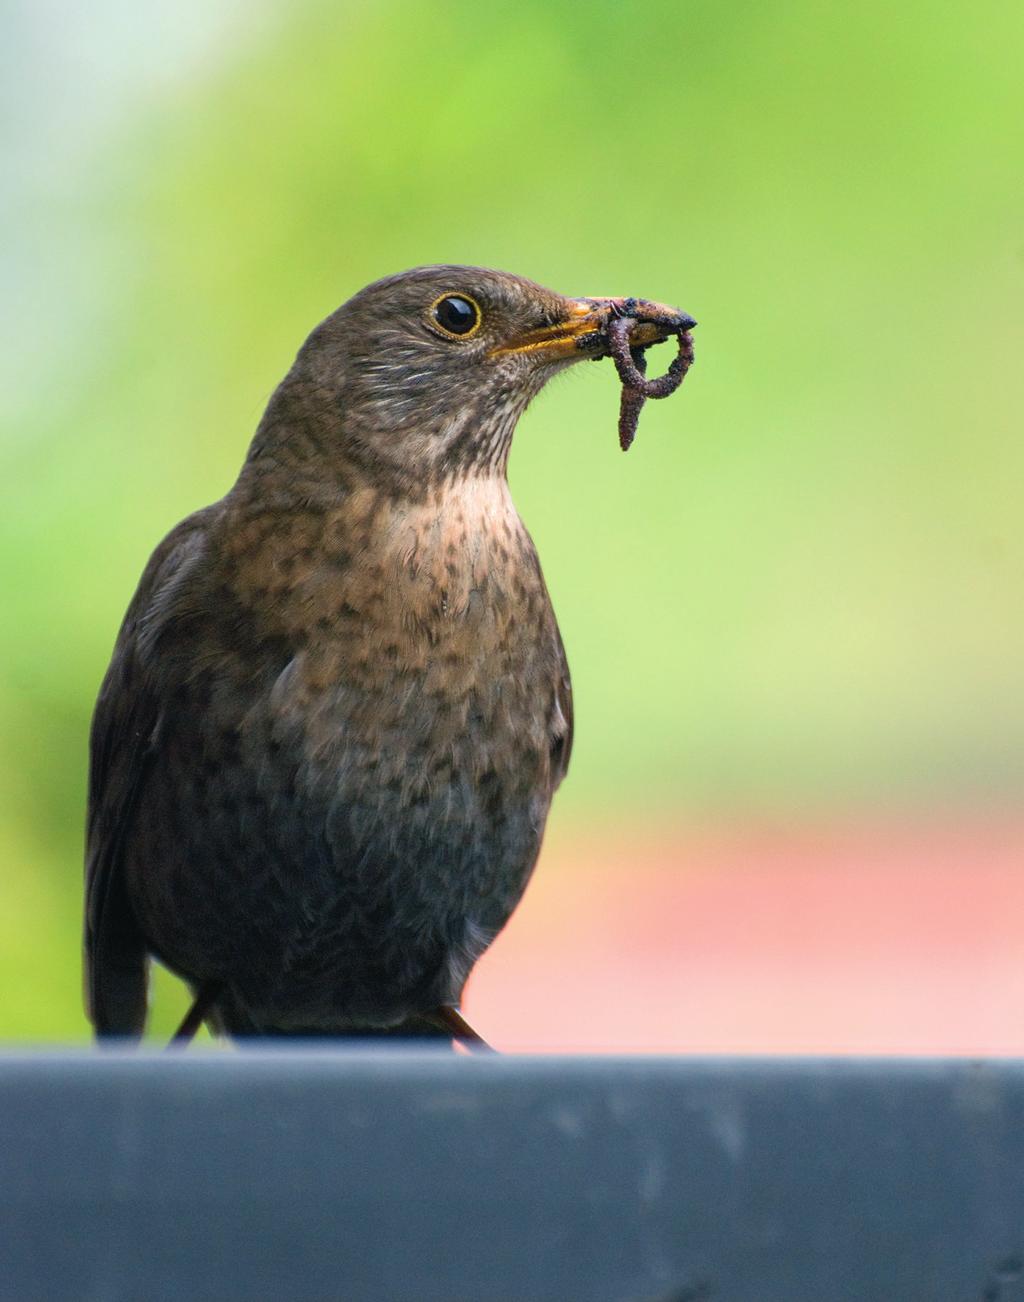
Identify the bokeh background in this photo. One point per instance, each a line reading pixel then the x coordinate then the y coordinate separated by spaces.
pixel 794 612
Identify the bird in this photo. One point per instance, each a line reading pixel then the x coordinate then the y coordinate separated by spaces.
pixel 338 708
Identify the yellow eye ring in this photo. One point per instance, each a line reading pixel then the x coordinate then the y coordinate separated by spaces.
pixel 456 316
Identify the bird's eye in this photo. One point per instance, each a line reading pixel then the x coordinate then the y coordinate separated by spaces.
pixel 456 315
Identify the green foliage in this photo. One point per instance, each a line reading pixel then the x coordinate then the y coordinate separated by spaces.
pixel 800 590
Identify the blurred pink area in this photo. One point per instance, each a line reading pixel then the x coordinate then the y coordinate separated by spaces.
pixel 889 940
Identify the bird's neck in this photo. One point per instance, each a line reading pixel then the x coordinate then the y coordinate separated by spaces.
pixel 410 557
pixel 310 528
pixel 315 444
pixel 455 538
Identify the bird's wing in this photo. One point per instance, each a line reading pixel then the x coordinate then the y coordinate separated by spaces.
pixel 131 713
pixel 563 699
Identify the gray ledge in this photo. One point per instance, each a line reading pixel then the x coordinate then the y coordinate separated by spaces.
pixel 306 1174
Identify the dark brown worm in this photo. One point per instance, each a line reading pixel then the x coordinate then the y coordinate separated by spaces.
pixel 631 404
pixel 631 366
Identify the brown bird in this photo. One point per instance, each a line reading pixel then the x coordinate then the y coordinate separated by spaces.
pixel 338 707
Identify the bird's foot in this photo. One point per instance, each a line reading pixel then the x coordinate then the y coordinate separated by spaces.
pixel 205 998
pixel 450 1019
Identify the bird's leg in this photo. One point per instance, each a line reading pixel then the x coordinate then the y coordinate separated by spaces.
pixel 193 1019
pixel 452 1020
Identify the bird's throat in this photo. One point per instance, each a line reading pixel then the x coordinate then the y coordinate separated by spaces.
pixel 443 554
pixel 410 572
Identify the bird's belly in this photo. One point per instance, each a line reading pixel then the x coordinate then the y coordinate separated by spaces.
pixel 345 863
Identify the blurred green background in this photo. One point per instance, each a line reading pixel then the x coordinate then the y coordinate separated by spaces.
pixel 798 597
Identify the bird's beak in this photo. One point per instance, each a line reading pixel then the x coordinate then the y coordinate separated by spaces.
pixel 583 331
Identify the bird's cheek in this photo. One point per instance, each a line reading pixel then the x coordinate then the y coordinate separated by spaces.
pixel 508 370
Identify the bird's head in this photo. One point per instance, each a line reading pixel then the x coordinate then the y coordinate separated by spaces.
pixel 423 375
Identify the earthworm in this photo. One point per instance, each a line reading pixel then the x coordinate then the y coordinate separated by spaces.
pixel 631 366
pixel 632 402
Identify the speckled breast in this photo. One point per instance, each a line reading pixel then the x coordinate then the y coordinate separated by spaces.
pixel 370 807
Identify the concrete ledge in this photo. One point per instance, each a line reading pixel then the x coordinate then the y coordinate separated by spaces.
pixel 294 1175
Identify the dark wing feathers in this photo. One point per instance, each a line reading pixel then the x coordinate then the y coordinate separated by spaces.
pixel 563 699
pixel 128 718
